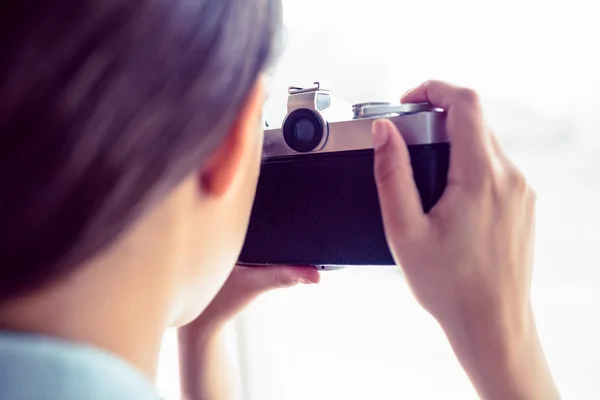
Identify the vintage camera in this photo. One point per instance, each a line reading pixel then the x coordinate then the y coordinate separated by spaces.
pixel 316 201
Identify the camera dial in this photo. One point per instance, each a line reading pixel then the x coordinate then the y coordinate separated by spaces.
pixel 357 109
pixel 373 110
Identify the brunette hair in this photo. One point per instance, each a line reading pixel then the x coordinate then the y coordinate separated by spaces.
pixel 106 105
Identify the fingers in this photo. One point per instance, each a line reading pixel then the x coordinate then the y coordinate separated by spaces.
pixel 465 126
pixel 440 94
pixel 256 280
pixel 244 285
pixel 399 198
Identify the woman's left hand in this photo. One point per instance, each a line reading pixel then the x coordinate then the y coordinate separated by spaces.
pixel 243 286
pixel 204 368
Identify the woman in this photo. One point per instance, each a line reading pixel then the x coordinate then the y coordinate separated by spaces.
pixel 131 145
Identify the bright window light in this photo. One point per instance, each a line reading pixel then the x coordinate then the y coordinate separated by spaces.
pixel 360 334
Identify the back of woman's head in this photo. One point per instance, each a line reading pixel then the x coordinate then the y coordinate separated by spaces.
pixel 105 105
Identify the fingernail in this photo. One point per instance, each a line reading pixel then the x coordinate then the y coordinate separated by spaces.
pixel 381 134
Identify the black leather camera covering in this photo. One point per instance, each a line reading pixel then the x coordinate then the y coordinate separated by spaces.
pixel 322 209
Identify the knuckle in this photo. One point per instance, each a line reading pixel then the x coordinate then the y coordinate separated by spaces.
pixel 492 178
pixel 432 83
pixel 495 187
pixel 531 196
pixel 516 181
pixel 468 97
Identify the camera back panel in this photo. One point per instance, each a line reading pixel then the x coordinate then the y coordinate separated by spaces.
pixel 322 209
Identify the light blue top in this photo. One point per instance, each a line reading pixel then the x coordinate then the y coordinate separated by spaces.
pixel 34 367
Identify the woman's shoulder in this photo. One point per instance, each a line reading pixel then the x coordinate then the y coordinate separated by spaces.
pixel 36 366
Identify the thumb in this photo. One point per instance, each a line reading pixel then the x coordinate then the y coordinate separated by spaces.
pixel 399 198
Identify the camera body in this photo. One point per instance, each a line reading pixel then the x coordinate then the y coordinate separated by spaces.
pixel 316 201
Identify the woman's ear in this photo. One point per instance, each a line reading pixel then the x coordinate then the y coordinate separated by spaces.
pixel 226 162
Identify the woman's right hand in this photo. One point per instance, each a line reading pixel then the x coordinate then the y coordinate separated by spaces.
pixel 469 260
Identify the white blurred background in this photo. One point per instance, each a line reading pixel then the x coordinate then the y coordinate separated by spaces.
pixel 360 334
